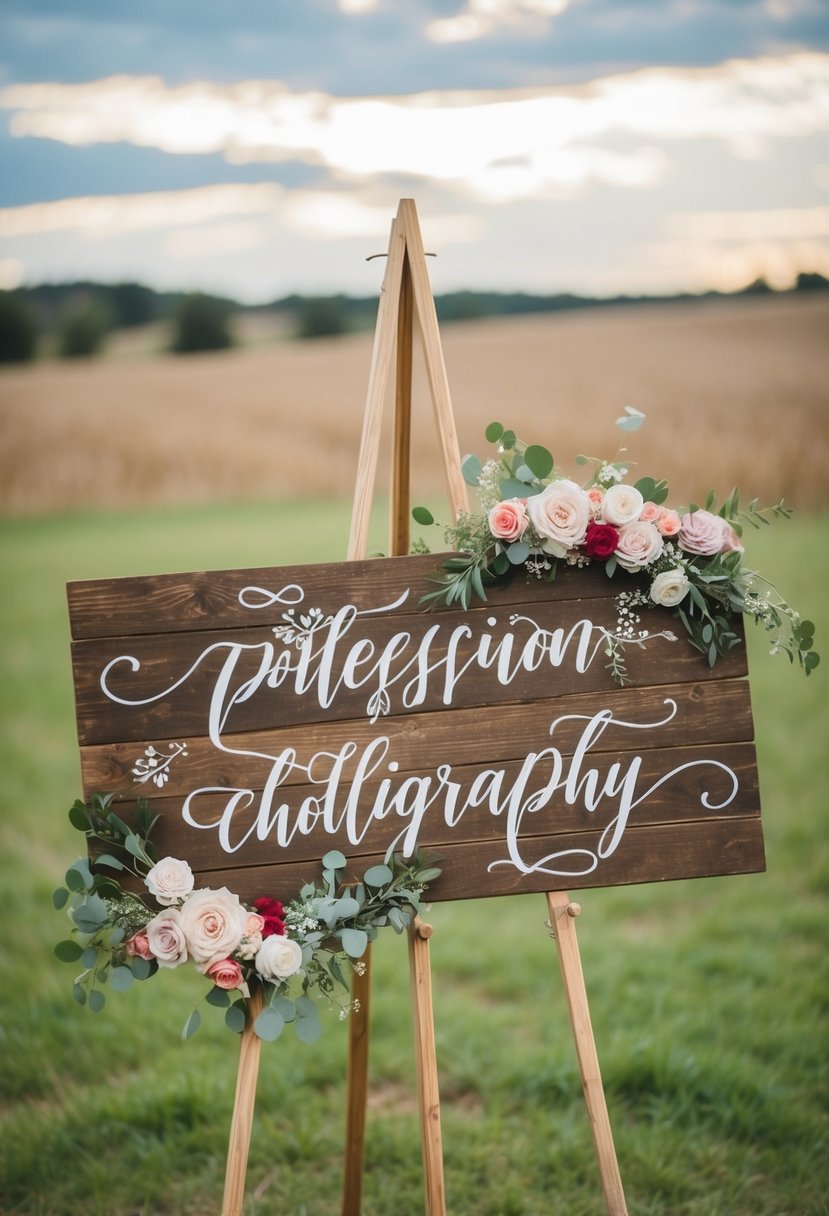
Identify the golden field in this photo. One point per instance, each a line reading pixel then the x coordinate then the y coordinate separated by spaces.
pixel 735 391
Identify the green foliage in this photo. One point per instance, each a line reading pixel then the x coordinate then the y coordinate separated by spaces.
pixel 83 330
pixel 201 323
pixel 18 328
pixel 322 317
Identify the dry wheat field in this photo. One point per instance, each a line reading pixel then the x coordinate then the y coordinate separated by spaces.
pixel 734 392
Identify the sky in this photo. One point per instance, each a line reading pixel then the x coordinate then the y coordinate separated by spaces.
pixel 260 148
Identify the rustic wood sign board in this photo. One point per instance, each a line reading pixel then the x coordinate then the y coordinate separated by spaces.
pixel 271 715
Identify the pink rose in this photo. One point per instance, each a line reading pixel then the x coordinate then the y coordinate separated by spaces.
pixel 639 544
pixel 213 923
pixel 560 515
pixel 166 938
pixel 595 497
pixel 707 534
pixel 650 513
pixel 139 944
pixel 226 973
pixel 669 522
pixel 622 505
pixel 507 520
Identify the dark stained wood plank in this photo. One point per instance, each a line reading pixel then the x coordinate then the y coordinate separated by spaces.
pixel 703 781
pixel 169 680
pixel 173 603
pixel 653 853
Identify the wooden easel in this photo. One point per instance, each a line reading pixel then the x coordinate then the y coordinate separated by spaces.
pixel 406 292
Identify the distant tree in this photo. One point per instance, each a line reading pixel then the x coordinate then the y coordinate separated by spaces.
pixel 83 330
pixel 322 316
pixel 133 304
pixel 201 322
pixel 18 329
pixel 811 282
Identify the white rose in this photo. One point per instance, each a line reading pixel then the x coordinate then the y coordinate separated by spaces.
pixel 621 505
pixel 166 938
pixel 213 923
pixel 640 543
pixel 170 880
pixel 669 588
pixel 560 514
pixel 278 958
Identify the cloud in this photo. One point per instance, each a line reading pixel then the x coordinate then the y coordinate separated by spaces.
pixel 482 17
pixel 492 144
pixel 785 223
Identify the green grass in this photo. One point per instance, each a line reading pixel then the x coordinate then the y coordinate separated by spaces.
pixel 709 998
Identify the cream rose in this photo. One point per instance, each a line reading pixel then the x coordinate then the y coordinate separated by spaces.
pixel 639 544
pixel 166 938
pixel 670 587
pixel 507 520
pixel 278 958
pixel 560 514
pixel 622 505
pixel 170 880
pixel 213 923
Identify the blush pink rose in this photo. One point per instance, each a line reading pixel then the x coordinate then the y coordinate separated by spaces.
pixel 560 515
pixel 166 938
pixel 707 534
pixel 639 544
pixel 139 945
pixel 650 513
pixel 669 522
pixel 507 520
pixel 226 973
pixel 252 939
pixel 170 880
pixel 213 923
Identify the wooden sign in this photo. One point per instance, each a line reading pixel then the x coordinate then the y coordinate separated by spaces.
pixel 274 714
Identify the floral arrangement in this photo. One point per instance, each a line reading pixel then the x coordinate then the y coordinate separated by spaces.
pixel 312 943
pixel 690 559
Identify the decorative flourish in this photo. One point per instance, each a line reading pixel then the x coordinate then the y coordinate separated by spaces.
pixel 155 766
pixel 312 942
pixel 298 631
pixel 690 560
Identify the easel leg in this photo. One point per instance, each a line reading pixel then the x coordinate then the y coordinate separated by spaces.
pixel 357 1090
pixel 426 1067
pixel 562 922
pixel 242 1121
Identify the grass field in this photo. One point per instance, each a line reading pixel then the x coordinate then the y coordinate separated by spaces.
pixel 709 998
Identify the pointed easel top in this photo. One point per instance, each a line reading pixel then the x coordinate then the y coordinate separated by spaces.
pixel 405 293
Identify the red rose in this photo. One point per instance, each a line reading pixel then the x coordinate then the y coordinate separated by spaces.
pixel 272 913
pixel 601 540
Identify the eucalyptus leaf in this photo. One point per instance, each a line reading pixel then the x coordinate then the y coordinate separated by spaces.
pixel 471 470
pixel 79 817
pixel 79 876
pixel 78 994
pixel 121 978
pixel 219 998
pixel 539 460
pixel 378 876
pixel 346 907
pixel 631 420
pixel 354 942
pixel 422 515
pixel 68 951
pixel 308 1030
pixel 133 845
pixel 59 898
pixel 235 1017
pixel 284 1006
pixel 508 440
pixel 140 967
pixel 106 859
pixel 511 487
pixel 190 1026
pixel 90 957
pixel 97 1000
pixel 493 432
pixel 269 1024
pixel 518 552
pixel 334 860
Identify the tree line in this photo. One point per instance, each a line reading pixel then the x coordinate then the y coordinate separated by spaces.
pixel 74 320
